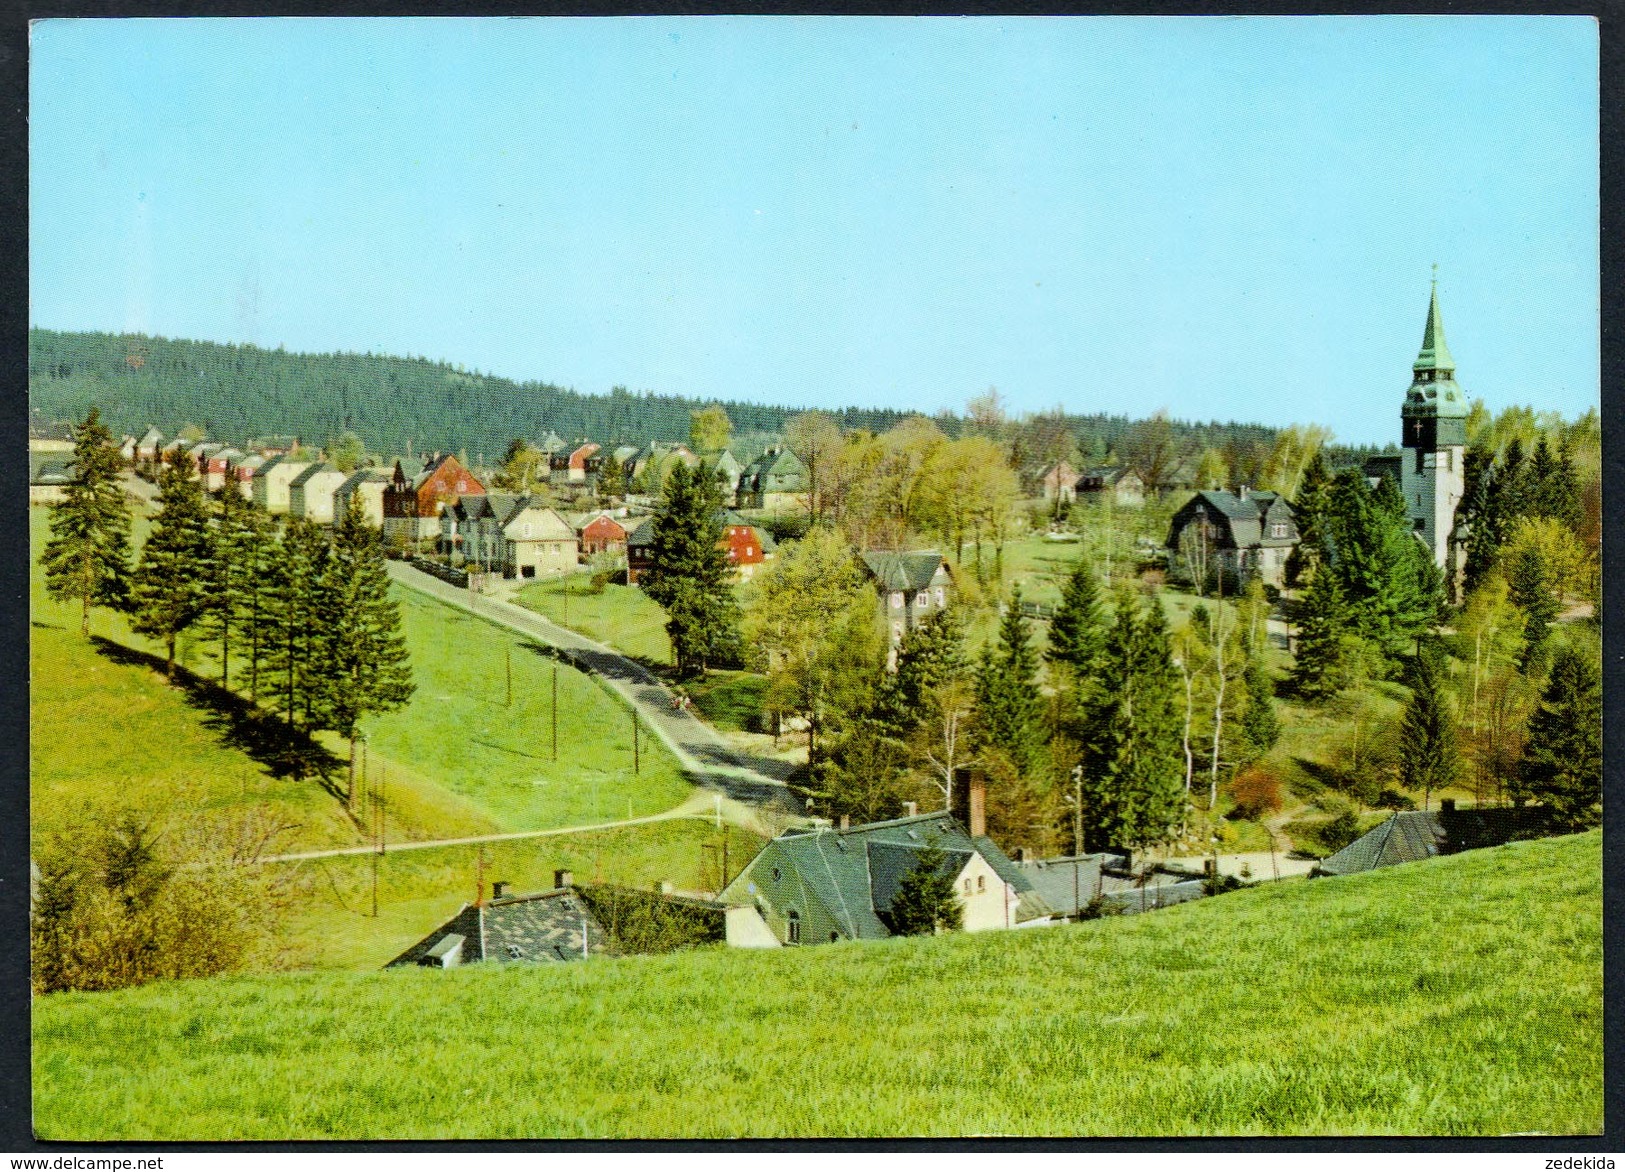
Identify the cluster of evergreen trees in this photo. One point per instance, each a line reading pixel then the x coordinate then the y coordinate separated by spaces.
pixel 306 612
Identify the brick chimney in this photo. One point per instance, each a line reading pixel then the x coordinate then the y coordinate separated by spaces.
pixel 562 879
pixel 846 822
pixel 910 809
pixel 499 889
pixel 978 805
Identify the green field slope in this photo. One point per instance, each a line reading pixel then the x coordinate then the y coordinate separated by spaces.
pixel 1457 996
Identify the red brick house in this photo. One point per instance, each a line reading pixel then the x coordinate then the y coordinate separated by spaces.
pixel 575 465
pixel 746 546
pixel 417 493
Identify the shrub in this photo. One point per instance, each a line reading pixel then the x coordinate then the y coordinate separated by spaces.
pixel 1099 907
pixel 1393 799
pixel 1256 791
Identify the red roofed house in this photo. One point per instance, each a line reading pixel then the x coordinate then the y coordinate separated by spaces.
pixel 598 533
pixel 417 493
pixel 577 463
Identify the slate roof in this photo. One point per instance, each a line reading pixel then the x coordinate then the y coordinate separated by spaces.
pixel 775 470
pixel 1408 837
pixel 1241 519
pixel 540 928
pixel 903 571
pixel 853 873
pixel 48 467
pixel 641 534
pixel 362 476
pixel 311 473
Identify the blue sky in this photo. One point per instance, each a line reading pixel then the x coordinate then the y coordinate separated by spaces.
pixel 1229 218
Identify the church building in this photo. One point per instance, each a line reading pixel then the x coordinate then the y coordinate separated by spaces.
pixel 1435 441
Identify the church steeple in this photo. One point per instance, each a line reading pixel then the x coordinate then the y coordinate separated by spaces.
pixel 1435 355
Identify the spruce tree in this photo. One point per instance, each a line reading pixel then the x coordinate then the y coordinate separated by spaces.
pixel 1133 767
pixel 1309 514
pixel 1322 669
pixel 925 901
pixel 1532 587
pixel 361 652
pixel 294 616
pixel 928 656
pixel 1007 690
pixel 170 589
pixel 689 575
pixel 260 553
pixel 230 569
pixel 1077 633
pixel 1478 509
pixel 1430 758
pixel 1260 727
pixel 87 559
pixel 1562 763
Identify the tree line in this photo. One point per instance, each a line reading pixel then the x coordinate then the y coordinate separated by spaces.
pixel 305 613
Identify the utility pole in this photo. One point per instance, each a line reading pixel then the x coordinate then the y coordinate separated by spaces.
pixel 637 764
pixel 507 649
pixel 555 712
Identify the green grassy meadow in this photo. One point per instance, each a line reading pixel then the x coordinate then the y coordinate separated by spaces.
pixel 331 925
pixel 1460 996
pixel 622 617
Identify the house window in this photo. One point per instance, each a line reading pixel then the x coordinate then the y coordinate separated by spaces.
pixel 967 884
pixel 834 936
pixel 897 600
pixel 981 883
pixel 922 599
pixel 792 927
pixel 942 596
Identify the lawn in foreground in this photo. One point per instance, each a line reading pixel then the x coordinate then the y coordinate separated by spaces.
pixel 1458 996
pixel 332 926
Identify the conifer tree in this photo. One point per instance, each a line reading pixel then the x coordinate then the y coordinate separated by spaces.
pixel 925 901
pixel 1322 669
pixel 230 569
pixel 1429 755
pixel 689 575
pixel 1133 767
pixel 361 652
pixel 929 656
pixel 1010 707
pixel 169 591
pixel 1478 509
pixel 260 553
pixel 1260 726
pixel 1532 587
pixel 87 558
pixel 1077 633
pixel 1309 515
pixel 1562 764
pixel 293 626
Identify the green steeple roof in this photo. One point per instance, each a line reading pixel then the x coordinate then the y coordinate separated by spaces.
pixel 1433 386
pixel 1435 354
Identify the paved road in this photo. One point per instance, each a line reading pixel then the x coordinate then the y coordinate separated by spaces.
pixel 700 750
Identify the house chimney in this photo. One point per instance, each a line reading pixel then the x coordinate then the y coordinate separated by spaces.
pixel 562 879
pixel 1021 854
pixel 499 889
pixel 910 809
pixel 846 822
pixel 664 887
pixel 1242 492
pixel 978 805
pixel 1447 805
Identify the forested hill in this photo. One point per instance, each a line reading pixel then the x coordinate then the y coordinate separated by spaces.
pixel 238 392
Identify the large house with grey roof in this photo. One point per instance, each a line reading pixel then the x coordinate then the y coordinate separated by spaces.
pixel 516 536
pixel 776 481
pixel 1238 534
pixel 912 586
pixel 272 480
pixel 547 927
pixel 826 884
pixel 310 494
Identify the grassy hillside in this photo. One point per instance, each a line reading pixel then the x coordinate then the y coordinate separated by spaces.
pixel 1457 996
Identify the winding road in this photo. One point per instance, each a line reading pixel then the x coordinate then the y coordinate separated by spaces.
pixel 700 750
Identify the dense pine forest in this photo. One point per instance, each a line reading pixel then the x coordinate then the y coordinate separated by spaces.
pixel 394 404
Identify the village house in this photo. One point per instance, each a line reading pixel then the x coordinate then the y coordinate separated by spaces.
pixel 366 485
pixel 598 533
pixel 542 928
pixel 516 536
pixel 48 477
pixel 126 449
pixel 149 445
pixel 1413 835
pixel 1122 485
pixel 746 545
pixel 576 464
pixel 1238 534
pixel 417 493
pixel 911 587
pixel 1058 482
pixel 273 478
pixel 826 884
pixel 550 443
pixel 776 482
pixel 240 472
pixel 726 471
pixel 310 494
pixel 215 466
pixel 657 454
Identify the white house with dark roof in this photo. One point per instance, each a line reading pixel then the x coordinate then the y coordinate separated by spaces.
pixel 366 485
pixel 826 884
pixel 310 494
pixel 273 478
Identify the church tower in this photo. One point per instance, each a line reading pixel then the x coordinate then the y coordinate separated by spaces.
pixel 1435 423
